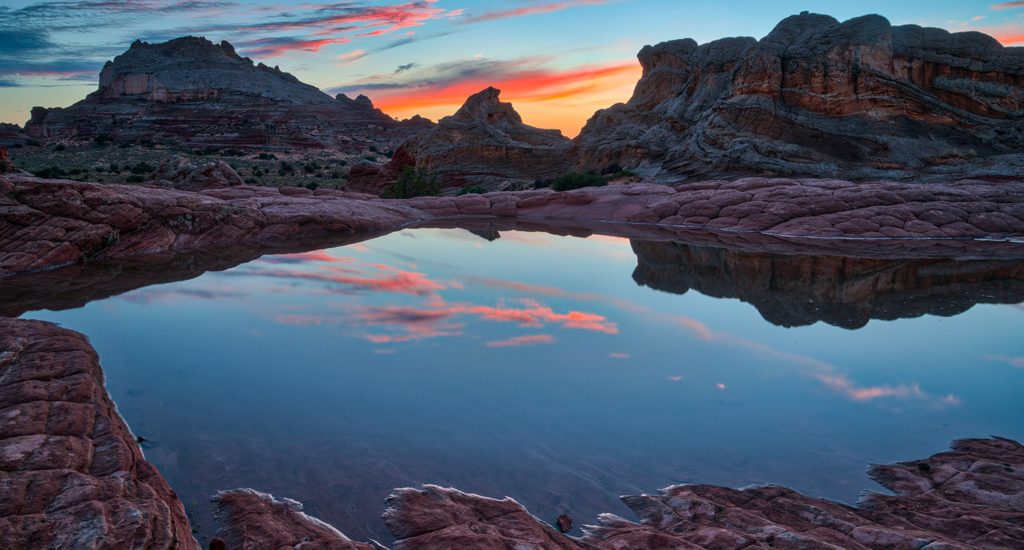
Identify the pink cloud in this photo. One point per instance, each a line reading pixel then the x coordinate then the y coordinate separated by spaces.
pixel 531 10
pixel 620 356
pixel 530 340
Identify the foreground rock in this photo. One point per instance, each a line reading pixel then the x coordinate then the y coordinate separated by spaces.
pixel 485 143
pixel 50 223
pixel 970 497
pixel 797 290
pixel 816 97
pixel 71 473
pixel 190 91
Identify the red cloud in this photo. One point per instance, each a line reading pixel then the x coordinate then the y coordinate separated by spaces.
pixel 404 282
pixel 530 340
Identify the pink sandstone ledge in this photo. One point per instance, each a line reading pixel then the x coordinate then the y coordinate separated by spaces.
pixel 50 223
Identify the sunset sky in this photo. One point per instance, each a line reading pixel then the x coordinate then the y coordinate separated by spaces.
pixel 558 61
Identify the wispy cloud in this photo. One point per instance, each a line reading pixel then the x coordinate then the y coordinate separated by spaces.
pixel 529 340
pixel 530 10
pixel 1008 5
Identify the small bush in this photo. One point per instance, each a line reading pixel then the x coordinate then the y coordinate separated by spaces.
pixel 59 147
pixel 135 178
pixel 142 168
pixel 102 139
pixel 542 184
pixel 285 169
pixel 115 168
pixel 312 186
pixel 50 172
pixel 414 182
pixel 576 180
pixel 267 156
pixel 251 181
pixel 474 190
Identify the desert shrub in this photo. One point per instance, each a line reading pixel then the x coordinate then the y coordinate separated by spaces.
pixel 414 182
pixel 285 168
pixel 142 168
pixel 115 168
pixel 251 181
pixel 577 180
pixel 542 184
pixel 474 190
pixel 50 172
pixel 312 186
pixel 135 178
pixel 267 156
pixel 59 147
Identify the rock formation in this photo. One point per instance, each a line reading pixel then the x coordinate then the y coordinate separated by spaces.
pixel 50 223
pixel 816 97
pixel 179 173
pixel 12 134
pixel 189 91
pixel 485 143
pixel 792 290
pixel 71 473
pixel 970 497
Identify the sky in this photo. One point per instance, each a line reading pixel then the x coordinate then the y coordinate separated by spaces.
pixel 558 61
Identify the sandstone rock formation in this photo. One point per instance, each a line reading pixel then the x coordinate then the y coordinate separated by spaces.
pixel 794 290
pixel 179 173
pixel 189 91
pixel 47 223
pixel 816 97
pixel 485 143
pixel 12 134
pixel 71 473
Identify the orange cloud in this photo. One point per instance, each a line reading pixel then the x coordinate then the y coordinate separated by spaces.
pixel 530 340
pixel 399 281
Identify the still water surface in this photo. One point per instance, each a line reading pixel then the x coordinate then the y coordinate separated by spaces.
pixel 534 366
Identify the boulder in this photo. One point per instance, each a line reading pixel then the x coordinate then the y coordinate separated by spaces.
pixel 179 173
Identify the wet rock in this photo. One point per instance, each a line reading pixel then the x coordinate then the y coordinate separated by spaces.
pixel 564 523
pixel 70 471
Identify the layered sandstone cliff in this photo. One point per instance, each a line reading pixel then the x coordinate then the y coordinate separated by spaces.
pixel 484 143
pixel 192 91
pixel 816 97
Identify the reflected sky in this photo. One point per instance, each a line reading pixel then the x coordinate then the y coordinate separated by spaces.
pixel 531 366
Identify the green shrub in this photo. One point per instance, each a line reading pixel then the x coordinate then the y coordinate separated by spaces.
pixel 50 172
pixel 414 182
pixel 59 147
pixel 135 178
pixel 267 156
pixel 576 180
pixel 142 168
pixel 474 190
pixel 312 186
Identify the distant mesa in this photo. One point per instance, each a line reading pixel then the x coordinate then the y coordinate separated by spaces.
pixel 485 143
pixel 190 90
pixel 859 99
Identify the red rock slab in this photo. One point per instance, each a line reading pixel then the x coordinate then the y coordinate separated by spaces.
pixel 258 520
pixel 71 473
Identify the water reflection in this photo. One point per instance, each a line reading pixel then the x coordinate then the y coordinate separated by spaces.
pixel 532 365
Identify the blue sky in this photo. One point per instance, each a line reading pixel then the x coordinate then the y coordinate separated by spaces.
pixel 558 60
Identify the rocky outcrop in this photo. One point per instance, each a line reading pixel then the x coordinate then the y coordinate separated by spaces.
pixel 970 497
pixel 485 143
pixel 12 134
pixel 71 472
pixel 257 520
pixel 190 91
pixel 179 173
pixel 796 290
pixel 50 223
pixel 816 97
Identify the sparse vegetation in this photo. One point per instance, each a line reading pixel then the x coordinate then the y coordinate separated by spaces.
pixel 414 182
pixel 474 190
pixel 577 180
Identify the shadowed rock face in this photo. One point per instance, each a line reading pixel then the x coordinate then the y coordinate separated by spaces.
pixel 845 292
pixel 192 91
pixel 484 143
pixel 818 97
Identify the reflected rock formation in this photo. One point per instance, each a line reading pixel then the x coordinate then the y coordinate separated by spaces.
pixel 846 292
